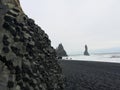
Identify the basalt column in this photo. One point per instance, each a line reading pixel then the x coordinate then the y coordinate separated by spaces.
pixel 27 60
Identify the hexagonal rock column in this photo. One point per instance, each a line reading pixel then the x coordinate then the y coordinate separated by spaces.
pixel 27 60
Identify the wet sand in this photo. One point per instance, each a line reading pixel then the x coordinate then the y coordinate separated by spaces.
pixel 89 75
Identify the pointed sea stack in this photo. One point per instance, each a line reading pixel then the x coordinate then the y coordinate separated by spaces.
pixel 27 59
pixel 86 51
pixel 61 51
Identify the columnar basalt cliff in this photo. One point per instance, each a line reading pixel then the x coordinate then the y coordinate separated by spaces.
pixel 27 60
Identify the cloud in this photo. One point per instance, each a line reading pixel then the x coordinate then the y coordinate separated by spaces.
pixel 77 22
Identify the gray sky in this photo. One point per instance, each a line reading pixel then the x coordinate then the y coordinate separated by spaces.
pixel 75 23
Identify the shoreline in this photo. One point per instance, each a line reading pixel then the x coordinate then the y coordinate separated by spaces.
pixel 89 61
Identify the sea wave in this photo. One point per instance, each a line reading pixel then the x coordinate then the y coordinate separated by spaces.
pixel 115 58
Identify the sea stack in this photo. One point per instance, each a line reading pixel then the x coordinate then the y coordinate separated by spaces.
pixel 27 59
pixel 61 51
pixel 86 51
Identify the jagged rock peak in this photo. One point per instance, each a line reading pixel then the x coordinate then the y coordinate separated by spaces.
pixel 86 51
pixel 27 59
pixel 61 51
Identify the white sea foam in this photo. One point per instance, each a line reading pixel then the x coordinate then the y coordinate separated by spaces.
pixel 96 57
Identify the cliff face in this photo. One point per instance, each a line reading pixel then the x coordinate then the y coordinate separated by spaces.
pixel 27 60
pixel 60 51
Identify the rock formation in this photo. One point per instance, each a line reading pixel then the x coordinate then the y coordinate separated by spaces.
pixel 86 51
pixel 27 60
pixel 60 51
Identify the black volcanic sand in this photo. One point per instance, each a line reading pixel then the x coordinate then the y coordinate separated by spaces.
pixel 89 75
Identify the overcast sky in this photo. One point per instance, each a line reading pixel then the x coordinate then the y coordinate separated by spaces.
pixel 75 23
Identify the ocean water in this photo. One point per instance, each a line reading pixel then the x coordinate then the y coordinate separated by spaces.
pixel 108 57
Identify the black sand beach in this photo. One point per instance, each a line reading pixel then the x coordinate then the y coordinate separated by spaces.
pixel 86 75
